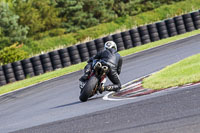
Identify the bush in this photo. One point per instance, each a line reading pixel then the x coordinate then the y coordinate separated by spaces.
pixel 49 43
pixel 32 47
pixel 12 54
pixel 96 31
pixel 4 42
pixel 50 33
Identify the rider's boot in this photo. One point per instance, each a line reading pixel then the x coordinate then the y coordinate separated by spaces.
pixel 101 89
pixel 85 76
pixel 86 73
pixel 115 88
pixel 107 88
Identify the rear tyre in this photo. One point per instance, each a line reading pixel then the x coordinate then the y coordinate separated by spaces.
pixel 88 88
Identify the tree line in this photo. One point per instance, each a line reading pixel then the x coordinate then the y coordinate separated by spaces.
pixel 22 19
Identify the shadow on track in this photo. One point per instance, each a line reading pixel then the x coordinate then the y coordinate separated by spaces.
pixel 74 103
pixel 65 105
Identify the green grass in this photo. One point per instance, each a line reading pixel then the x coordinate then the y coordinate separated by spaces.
pixel 183 72
pixel 57 73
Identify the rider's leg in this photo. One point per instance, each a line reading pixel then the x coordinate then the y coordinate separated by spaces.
pixel 86 72
pixel 114 78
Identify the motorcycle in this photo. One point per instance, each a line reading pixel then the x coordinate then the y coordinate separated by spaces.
pixel 95 80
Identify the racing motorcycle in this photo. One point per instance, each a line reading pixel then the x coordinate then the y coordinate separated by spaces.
pixel 95 80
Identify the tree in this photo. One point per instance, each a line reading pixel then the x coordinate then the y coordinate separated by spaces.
pixel 48 14
pixel 10 30
pixel 81 14
pixel 100 10
pixel 71 13
pixel 38 15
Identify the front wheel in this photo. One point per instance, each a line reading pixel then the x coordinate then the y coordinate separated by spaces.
pixel 88 89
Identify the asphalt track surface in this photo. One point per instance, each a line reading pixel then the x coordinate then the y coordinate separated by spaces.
pixel 53 106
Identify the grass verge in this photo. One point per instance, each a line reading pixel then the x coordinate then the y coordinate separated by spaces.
pixel 57 73
pixel 183 72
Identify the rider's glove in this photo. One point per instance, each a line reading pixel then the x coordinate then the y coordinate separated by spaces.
pixel 90 60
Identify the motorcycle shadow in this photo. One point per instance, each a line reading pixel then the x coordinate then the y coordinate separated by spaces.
pixel 66 105
pixel 77 102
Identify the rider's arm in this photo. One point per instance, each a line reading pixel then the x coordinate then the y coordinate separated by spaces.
pixel 119 65
pixel 98 55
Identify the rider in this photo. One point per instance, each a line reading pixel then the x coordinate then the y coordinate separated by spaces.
pixel 114 60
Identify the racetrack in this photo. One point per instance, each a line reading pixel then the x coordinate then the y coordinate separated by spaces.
pixel 56 101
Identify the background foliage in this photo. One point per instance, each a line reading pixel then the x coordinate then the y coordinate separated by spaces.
pixel 12 53
pixel 10 30
pixel 44 25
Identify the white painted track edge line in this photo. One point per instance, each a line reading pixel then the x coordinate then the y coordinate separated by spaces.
pixel 105 97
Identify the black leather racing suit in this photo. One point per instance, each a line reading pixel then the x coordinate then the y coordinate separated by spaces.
pixel 114 60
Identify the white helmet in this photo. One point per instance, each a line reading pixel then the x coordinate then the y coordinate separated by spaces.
pixel 110 44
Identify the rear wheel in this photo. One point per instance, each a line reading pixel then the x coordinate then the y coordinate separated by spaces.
pixel 88 89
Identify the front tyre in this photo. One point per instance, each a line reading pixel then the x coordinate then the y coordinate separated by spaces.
pixel 88 89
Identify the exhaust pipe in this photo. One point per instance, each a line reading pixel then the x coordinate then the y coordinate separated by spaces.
pixel 105 68
pixel 98 65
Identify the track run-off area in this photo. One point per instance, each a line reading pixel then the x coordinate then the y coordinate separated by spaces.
pixel 54 107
